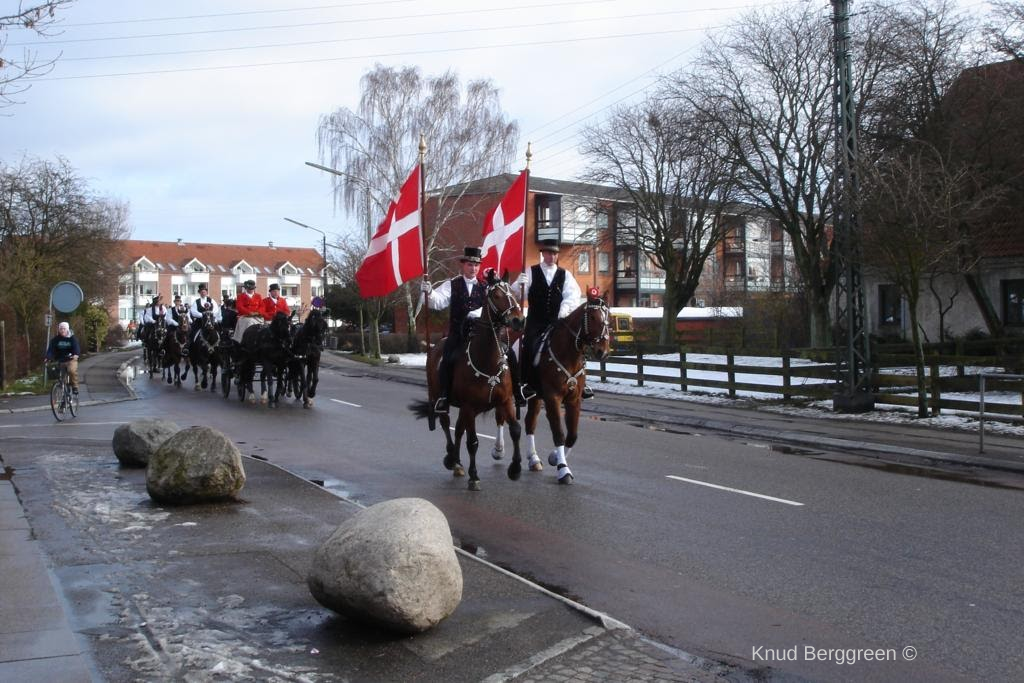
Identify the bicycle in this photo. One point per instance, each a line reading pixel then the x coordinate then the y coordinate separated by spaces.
pixel 62 399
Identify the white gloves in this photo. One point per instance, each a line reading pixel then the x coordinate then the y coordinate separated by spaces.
pixel 425 287
pixel 521 280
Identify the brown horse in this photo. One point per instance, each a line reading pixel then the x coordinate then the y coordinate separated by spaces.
pixel 560 377
pixel 481 381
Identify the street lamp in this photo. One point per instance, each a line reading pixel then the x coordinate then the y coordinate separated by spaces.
pixel 324 236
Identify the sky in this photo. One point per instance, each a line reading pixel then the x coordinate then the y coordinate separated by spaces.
pixel 201 114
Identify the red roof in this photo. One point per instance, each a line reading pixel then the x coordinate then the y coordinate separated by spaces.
pixel 220 258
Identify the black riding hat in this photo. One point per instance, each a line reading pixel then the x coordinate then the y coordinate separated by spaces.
pixel 549 245
pixel 249 284
pixel 471 255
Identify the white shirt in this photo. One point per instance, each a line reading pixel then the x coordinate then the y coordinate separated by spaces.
pixel 196 313
pixel 169 317
pixel 572 297
pixel 441 296
pixel 148 317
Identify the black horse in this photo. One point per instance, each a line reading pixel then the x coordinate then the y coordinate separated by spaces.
pixel 155 334
pixel 204 352
pixel 304 367
pixel 270 347
pixel 175 351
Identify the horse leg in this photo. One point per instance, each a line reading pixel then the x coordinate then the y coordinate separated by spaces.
pixel 515 468
pixel 557 456
pixel 532 413
pixel 498 451
pixel 177 374
pixel 467 422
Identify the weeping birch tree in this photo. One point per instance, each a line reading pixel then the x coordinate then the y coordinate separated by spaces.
pixel 18 67
pixel 374 146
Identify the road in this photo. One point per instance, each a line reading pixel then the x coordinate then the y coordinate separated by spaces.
pixel 721 547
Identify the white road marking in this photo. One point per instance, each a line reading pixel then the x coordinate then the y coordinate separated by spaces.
pixel 482 436
pixel 726 488
pixel 354 405
pixel 67 423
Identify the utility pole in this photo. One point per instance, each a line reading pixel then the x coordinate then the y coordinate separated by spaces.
pixel 853 354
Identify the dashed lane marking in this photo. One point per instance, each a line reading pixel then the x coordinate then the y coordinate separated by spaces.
pixel 732 490
pixel 354 405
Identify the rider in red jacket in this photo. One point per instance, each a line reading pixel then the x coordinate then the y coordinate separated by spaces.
pixel 274 303
pixel 249 301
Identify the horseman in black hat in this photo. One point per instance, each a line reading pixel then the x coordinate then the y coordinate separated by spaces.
pixel 464 296
pixel 551 294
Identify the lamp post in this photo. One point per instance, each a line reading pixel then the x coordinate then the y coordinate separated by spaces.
pixel 322 234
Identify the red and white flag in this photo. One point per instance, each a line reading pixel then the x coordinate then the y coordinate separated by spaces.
pixel 504 230
pixel 396 250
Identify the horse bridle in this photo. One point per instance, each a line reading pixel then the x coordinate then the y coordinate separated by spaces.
pixel 582 336
pixel 497 320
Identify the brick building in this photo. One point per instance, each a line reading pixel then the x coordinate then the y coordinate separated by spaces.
pixel 169 268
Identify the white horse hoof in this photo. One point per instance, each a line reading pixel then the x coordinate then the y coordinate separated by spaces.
pixel 553 458
pixel 535 464
pixel 565 476
pixel 497 453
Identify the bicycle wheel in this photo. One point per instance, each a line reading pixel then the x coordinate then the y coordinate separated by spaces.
pixel 73 404
pixel 57 404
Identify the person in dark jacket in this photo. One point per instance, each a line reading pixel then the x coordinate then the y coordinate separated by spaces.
pixel 551 294
pixel 64 349
pixel 463 295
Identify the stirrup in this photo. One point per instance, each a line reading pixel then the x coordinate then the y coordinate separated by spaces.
pixel 441 406
pixel 526 392
pixel 587 392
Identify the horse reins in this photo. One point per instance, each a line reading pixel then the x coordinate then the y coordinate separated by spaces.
pixel 571 378
pixel 496 319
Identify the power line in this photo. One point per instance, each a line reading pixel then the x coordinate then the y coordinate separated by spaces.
pixel 335 22
pixel 381 55
pixel 312 8
pixel 378 37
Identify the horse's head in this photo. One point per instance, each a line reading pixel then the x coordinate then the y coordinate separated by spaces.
pixel 207 322
pixel 316 326
pixel 502 308
pixel 595 331
pixel 280 327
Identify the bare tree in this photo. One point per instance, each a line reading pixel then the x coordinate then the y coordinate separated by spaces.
pixel 659 155
pixel 467 134
pixel 766 84
pixel 39 18
pixel 53 228
pixel 1005 29
pixel 912 208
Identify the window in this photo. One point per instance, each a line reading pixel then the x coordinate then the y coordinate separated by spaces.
pixel 603 262
pixel 889 309
pixel 583 262
pixel 1013 302
pixel 179 290
pixel 125 289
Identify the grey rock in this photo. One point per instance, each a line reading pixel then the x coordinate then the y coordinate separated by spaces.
pixel 196 465
pixel 136 441
pixel 392 564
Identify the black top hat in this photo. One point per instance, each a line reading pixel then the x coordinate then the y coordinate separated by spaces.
pixel 549 245
pixel 471 255
pixel 203 286
pixel 177 297
pixel 249 284
pixel 274 286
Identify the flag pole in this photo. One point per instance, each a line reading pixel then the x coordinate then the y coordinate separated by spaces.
pixel 522 269
pixel 423 237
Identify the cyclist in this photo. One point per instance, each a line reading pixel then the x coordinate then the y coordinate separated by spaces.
pixel 64 349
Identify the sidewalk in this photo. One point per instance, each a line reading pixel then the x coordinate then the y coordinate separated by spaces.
pixel 100 584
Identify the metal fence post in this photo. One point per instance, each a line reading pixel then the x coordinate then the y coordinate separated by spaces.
pixel 981 412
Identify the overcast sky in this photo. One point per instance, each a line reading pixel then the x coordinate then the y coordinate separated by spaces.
pixel 200 114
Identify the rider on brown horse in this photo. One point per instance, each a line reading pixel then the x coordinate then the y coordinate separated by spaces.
pixel 463 295
pixel 551 293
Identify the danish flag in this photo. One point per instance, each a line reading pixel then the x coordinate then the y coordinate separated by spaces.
pixel 395 254
pixel 504 230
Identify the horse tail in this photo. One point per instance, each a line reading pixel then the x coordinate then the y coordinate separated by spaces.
pixel 422 409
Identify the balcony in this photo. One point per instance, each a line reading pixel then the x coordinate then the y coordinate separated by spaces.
pixel 733 246
pixel 625 279
pixel 199 278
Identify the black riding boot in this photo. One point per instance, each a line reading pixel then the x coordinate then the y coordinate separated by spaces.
pixel 521 391
pixel 444 374
pixel 587 392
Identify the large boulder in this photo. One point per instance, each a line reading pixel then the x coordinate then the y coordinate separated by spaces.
pixel 134 442
pixel 392 564
pixel 196 465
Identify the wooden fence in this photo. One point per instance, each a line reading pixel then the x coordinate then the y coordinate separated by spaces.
pixel 809 374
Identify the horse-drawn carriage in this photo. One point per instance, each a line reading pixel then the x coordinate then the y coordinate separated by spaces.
pixel 283 357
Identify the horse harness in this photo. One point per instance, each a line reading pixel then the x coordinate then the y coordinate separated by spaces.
pixel 581 339
pixel 496 320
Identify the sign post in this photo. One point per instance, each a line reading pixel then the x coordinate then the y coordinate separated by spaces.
pixel 66 297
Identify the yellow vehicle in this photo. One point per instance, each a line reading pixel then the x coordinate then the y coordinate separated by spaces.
pixel 622 328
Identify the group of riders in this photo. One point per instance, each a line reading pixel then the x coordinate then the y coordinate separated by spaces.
pixel 245 333
pixel 552 293
pixel 248 309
